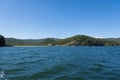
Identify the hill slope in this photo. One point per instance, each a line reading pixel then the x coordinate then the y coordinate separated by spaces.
pixel 114 39
pixel 13 41
pixel 83 40
pixel 78 40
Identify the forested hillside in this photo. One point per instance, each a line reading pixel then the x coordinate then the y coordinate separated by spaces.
pixel 27 42
pixel 114 40
pixel 83 40
pixel 77 40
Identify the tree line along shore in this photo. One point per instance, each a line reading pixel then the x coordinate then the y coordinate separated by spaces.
pixel 77 40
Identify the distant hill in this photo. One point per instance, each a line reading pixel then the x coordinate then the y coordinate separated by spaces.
pixel 83 40
pixel 77 40
pixel 114 39
pixel 13 41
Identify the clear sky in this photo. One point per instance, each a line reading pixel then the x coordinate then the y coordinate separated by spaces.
pixel 59 18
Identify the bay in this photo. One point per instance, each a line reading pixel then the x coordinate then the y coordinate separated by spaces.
pixel 60 63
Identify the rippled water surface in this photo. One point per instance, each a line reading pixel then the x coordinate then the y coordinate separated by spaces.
pixel 60 63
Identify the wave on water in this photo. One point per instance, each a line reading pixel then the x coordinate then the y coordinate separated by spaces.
pixel 2 75
pixel 60 63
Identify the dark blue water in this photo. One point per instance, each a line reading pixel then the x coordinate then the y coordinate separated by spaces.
pixel 60 63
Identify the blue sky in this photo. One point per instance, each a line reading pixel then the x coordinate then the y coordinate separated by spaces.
pixel 59 18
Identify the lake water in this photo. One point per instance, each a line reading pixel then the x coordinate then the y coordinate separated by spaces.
pixel 60 63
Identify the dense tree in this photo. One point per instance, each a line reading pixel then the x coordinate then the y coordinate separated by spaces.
pixel 47 41
pixel 83 40
pixel 2 40
pixel 30 42
pixel 114 39
pixel 78 40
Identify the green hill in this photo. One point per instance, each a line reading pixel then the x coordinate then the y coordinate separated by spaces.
pixel 78 40
pixel 13 41
pixel 114 39
pixel 83 40
pixel 27 42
